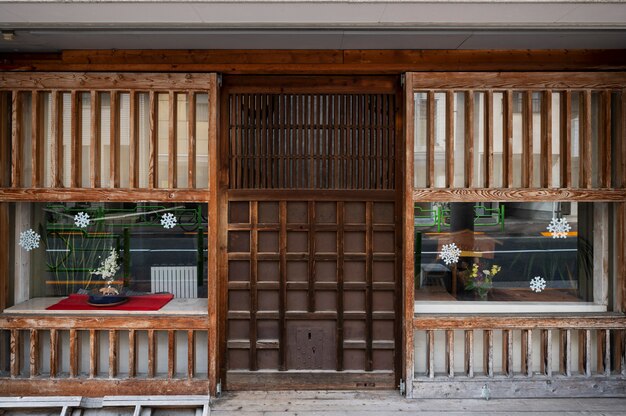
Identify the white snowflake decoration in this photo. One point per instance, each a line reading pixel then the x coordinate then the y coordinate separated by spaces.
pixel 537 284
pixel 29 240
pixel 559 227
pixel 450 253
pixel 168 220
pixel 82 220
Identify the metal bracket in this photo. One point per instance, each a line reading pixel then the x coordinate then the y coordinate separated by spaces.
pixel 218 389
pixel 402 387
pixel 485 393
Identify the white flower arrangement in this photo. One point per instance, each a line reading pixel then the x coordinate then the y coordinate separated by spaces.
pixel 107 270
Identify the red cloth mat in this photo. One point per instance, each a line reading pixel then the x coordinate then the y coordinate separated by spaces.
pixel 134 303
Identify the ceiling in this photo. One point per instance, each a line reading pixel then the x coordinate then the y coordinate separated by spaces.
pixel 53 25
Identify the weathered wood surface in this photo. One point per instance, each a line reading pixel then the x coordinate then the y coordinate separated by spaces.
pixel 518 194
pixel 104 194
pixel 58 322
pixel 438 322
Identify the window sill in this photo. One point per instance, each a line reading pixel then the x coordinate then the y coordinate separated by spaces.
pixel 176 306
pixel 461 307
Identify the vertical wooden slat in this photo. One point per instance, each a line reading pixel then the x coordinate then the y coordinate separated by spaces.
pixel 621 139
pixel 449 139
pixel 15 350
pixel 430 139
pixel 74 352
pixel 604 352
pixel 311 258
pixel 34 353
pixel 450 352
pixel 54 352
pixel 282 301
pixel 94 349
pixel 94 148
pixel 527 139
pixel 507 137
pixel 488 352
pixel 369 292
pixel 151 354
pixel 604 139
pixel 153 168
pixel 37 146
pixel 172 176
pixel 171 354
pixel 565 130
pixel 191 354
pixel 133 140
pixel 469 353
pixel 113 346
pixel 254 302
pixel 546 352
pixel 76 129
pixel 586 174
pixel 16 139
pixel 546 139
pixel 114 181
pixel 340 279
pixel 527 352
pixel 584 352
pixel 191 135
pixel 565 352
pixel 430 353
pixel 488 139
pixel 469 139
pixel 56 152
pixel 132 353
pixel 507 352
pixel 5 139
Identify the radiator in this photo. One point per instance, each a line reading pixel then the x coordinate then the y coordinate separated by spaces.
pixel 181 281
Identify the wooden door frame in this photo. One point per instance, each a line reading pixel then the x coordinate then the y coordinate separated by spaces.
pixel 314 84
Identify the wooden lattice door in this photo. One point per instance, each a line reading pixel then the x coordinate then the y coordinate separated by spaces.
pixel 311 295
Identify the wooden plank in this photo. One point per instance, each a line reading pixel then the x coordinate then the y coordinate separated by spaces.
pixel 488 139
pixel 37 145
pixel 191 354
pixel 282 294
pixel 369 291
pixel 109 195
pixel 54 352
pixel 546 352
pixel 604 139
pixel 430 139
pixel 113 349
pixel 96 137
pixel 56 151
pixel 74 352
pixel 132 354
pixel 450 353
pixel 604 352
pixel 586 174
pixel 584 352
pixel 311 257
pixel 565 352
pixel 153 167
pixel 307 195
pixel 172 171
pixel 340 284
pixel 469 139
pixel 621 138
pixel 507 139
pixel 517 194
pixel 527 352
pixel 171 354
pixel 450 139
pixel 527 139
pixel 488 352
pixel 114 181
pixel 33 354
pixel 546 139
pixel 191 137
pixel 254 300
pixel 310 380
pixel 571 321
pixel 5 138
pixel 76 145
pixel 507 352
pixel 133 139
pixel 152 346
pixel 469 353
pixel 565 130
pixel 16 139
pixel 430 354
pixel 94 352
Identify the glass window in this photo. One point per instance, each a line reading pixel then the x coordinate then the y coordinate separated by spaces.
pixel 505 252
pixel 159 247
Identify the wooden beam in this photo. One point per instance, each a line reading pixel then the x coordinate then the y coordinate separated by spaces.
pixel 488 139
pixel 449 166
pixel 585 173
pixel 507 139
pixel 511 322
pixel 96 136
pixel 546 139
pixel 85 322
pixel 172 171
pixel 114 181
pixel 76 145
pixel 565 130
pixel 16 139
pixel 108 195
pixel 5 138
pixel 469 139
pixel 133 140
pixel 191 137
pixel 430 138
pixel 527 139
pixel 37 145
pixel 517 194
pixel 604 139
pixel 153 168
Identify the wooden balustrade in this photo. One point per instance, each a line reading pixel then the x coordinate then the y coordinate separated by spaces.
pixel 48 354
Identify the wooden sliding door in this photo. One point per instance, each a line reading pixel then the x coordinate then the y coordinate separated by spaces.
pixel 310 293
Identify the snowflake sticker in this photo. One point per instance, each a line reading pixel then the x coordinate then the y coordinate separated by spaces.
pixel 168 220
pixel 29 240
pixel 537 284
pixel 559 227
pixel 450 253
pixel 82 220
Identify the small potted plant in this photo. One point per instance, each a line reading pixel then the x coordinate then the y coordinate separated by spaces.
pixel 109 294
pixel 480 281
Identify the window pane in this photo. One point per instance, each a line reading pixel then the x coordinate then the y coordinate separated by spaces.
pixel 540 252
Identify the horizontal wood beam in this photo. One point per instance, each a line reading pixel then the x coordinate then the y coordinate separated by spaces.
pixel 103 195
pixel 316 61
pixel 439 322
pixel 120 322
pixel 518 194
pixel 306 195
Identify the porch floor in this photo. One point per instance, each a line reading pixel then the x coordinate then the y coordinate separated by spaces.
pixel 388 403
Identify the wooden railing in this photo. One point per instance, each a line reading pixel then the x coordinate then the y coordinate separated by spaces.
pixel 47 355
pixel 470 356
